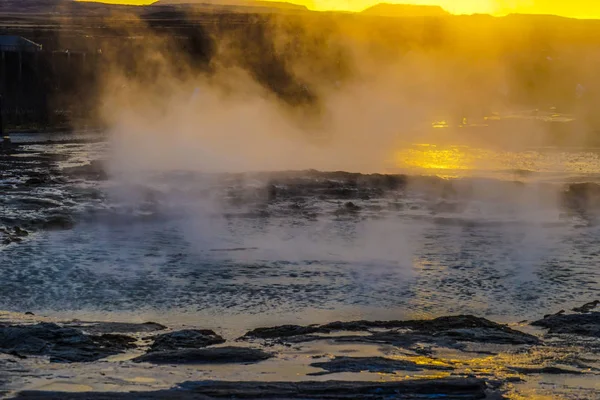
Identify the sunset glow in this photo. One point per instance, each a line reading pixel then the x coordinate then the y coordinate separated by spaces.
pixel 573 8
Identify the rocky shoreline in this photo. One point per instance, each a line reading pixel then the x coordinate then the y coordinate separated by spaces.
pixel 489 360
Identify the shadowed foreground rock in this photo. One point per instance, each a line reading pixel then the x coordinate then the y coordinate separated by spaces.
pixel 448 389
pixel 588 307
pixel 371 364
pixel 115 327
pixel 545 370
pixel 217 355
pixel 60 344
pixel 186 339
pixel 463 328
pixel 574 324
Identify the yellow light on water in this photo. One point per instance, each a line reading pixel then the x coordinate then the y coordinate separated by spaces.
pixel 431 157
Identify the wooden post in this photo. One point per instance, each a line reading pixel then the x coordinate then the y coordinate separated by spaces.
pixel 1 120
pixel 3 77
pixel 20 66
pixel 6 144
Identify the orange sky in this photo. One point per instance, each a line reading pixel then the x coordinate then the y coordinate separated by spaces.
pixel 570 8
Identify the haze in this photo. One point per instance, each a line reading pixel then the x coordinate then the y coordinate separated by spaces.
pixel 574 8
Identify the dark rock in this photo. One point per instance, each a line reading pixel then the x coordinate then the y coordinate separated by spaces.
pixel 29 313
pixel 59 343
pixel 11 239
pixel 40 179
pixel 385 182
pixel 115 341
pixel 281 331
pixel 94 171
pixel 186 339
pixel 454 328
pixel 582 196
pixel 216 355
pixel 116 327
pixel 561 312
pixel 272 192
pixel 17 355
pixel 349 208
pixel 545 370
pixel 575 324
pixel 448 389
pixel 488 335
pixel 57 222
pixel 371 364
pixel 587 307
pixel 20 232
pixel 468 388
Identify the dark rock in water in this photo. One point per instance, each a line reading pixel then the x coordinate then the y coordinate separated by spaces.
pixel 468 388
pixel 93 171
pixel 582 196
pixel 561 312
pixel 215 355
pixel 330 185
pixel 488 335
pixel 29 313
pixel 39 179
pixel 271 192
pixel 11 239
pixel 20 232
pixel 454 328
pixel 57 222
pixel 116 327
pixel 371 364
pixel 282 331
pixel 587 307
pixel 575 324
pixel 448 389
pixel 186 339
pixel 115 341
pixel 349 208
pixel 59 343
pixel 544 370
pixel 385 182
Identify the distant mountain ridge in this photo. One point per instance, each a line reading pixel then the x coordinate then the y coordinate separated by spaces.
pixel 405 10
pixel 23 6
pixel 83 6
pixel 232 3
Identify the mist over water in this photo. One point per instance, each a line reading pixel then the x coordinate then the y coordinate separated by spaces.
pixel 196 214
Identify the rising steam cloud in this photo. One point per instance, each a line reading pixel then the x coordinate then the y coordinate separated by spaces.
pixel 336 102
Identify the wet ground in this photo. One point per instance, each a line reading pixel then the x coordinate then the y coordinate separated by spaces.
pixel 234 252
pixel 450 357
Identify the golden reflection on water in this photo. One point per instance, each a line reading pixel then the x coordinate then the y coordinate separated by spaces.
pixel 431 157
pixel 452 161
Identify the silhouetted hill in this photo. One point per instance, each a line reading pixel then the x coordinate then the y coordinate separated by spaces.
pixel 405 10
pixel 33 6
pixel 233 3
pixel 59 7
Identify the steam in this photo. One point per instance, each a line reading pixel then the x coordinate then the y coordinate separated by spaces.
pixel 352 111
